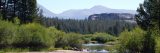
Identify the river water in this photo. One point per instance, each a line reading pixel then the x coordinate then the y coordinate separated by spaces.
pixel 94 48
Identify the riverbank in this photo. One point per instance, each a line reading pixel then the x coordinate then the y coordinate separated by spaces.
pixel 57 51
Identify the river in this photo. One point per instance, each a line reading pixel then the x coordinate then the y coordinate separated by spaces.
pixel 94 48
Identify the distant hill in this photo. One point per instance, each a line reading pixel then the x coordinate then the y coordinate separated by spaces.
pixel 46 12
pixel 103 16
pixel 83 13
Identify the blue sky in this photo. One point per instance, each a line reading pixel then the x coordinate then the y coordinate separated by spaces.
pixel 58 6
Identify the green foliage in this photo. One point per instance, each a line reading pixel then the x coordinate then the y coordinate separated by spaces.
pixel 68 41
pixel 16 21
pixel 87 38
pixel 148 19
pixel 148 15
pixel 158 45
pixel 33 36
pixel 102 37
pixel 157 39
pixel 7 31
pixel 131 41
pixel 99 37
pixel 149 43
pixel 74 40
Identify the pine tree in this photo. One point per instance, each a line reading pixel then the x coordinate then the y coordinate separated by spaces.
pixel 0 6
pixel 27 10
pixel 7 9
pixel 149 13
pixel 39 18
pixel 148 18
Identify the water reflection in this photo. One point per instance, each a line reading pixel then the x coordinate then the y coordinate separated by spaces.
pixel 94 48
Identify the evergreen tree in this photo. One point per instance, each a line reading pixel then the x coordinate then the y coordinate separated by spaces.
pixel 149 14
pixel 148 19
pixel 8 9
pixel 27 10
pixel 39 18
pixel 0 6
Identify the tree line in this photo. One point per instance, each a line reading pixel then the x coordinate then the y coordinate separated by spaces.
pixel 111 26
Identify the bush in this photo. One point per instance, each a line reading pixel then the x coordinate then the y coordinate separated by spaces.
pixel 68 41
pixel 99 37
pixel 156 34
pixel 131 41
pixel 74 40
pixel 102 37
pixel 60 41
pixel 33 36
pixel 7 31
pixel 158 45
pixel 87 38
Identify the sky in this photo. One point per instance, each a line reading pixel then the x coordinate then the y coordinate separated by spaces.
pixel 59 6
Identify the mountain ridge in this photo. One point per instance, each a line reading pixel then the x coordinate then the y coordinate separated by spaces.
pixel 45 11
pixel 84 13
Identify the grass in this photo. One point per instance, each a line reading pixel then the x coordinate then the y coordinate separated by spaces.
pixel 20 50
pixel 13 50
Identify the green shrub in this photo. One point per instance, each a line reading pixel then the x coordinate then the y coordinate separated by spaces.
pixel 51 32
pixel 87 38
pixel 7 31
pixel 68 41
pixel 102 37
pixel 60 41
pixel 158 45
pixel 33 36
pixel 99 37
pixel 74 40
pixel 131 41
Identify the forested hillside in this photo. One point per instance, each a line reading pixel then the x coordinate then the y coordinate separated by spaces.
pixel 111 26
